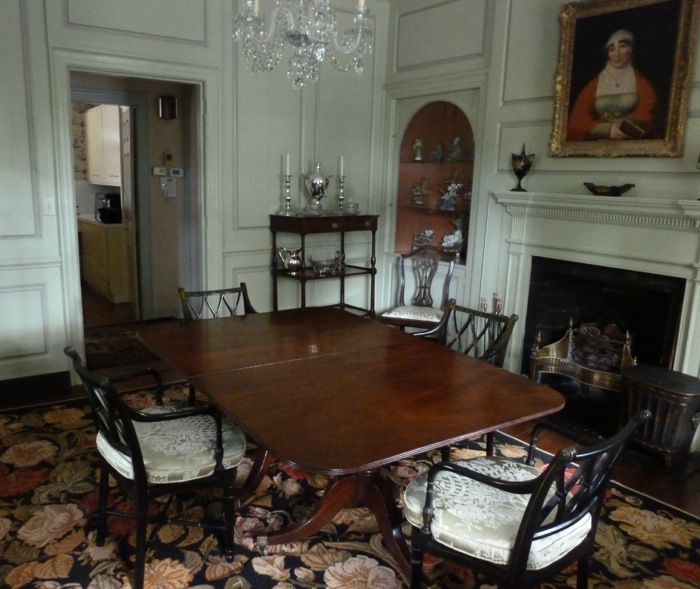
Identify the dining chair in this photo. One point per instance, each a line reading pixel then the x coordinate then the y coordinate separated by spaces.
pixel 421 312
pixel 483 334
pixel 508 521
pixel 206 304
pixel 160 450
pixel 209 304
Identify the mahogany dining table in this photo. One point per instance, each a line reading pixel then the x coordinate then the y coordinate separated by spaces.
pixel 329 392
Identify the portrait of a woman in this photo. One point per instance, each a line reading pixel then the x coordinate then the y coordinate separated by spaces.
pixel 619 103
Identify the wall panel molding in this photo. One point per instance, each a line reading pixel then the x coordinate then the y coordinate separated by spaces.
pixel 19 202
pixel 184 22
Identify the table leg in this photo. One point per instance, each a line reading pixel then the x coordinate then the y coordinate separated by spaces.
pixel 261 463
pixel 366 489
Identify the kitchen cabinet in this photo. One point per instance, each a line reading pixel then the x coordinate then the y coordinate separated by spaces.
pixel 103 145
pixel 340 224
pixel 436 166
pixel 103 260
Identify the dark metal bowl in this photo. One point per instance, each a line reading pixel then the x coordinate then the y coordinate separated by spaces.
pixel 608 190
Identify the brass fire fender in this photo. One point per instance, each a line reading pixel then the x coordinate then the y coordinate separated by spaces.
pixel 557 358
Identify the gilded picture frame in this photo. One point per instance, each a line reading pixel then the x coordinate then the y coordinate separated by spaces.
pixel 623 78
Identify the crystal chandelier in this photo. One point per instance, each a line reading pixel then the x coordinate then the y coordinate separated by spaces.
pixel 309 26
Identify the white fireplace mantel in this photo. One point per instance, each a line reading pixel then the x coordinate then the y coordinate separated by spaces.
pixel 645 235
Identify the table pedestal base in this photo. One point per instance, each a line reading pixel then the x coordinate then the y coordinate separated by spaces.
pixel 365 489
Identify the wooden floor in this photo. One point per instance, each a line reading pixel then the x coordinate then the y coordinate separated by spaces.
pixel 639 469
pixel 99 311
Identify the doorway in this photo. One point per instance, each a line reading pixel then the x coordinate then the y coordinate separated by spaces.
pixel 165 241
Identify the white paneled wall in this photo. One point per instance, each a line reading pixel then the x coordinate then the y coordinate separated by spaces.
pixel 498 57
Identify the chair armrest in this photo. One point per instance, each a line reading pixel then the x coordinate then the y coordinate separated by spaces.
pixel 515 487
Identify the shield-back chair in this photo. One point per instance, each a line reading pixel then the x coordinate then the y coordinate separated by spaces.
pixel 421 312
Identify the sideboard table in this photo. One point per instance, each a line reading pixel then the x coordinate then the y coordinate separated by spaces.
pixel 341 224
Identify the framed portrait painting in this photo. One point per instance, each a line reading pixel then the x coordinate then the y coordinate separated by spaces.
pixel 623 77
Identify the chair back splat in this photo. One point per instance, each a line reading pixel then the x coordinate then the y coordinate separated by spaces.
pixel 159 450
pixel 510 522
pixel 210 304
pixel 206 304
pixel 477 332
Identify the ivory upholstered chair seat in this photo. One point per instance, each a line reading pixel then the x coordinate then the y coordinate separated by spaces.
pixel 421 312
pixel 160 450
pixel 508 521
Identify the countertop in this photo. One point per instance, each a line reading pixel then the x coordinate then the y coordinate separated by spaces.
pixel 88 218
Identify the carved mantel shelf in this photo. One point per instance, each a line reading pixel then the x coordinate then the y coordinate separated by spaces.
pixel 659 213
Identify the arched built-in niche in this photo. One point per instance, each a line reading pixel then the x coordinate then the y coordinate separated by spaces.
pixel 436 166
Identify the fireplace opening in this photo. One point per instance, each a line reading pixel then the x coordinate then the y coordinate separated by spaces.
pixel 647 305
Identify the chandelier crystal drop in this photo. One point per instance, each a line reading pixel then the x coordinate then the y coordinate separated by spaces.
pixel 310 27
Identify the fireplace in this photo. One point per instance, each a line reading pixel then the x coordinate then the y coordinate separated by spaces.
pixel 646 305
pixel 636 259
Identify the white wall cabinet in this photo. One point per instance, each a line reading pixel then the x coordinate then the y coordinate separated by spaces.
pixel 103 145
pixel 103 259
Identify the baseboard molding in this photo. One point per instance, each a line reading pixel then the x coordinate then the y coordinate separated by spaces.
pixel 35 389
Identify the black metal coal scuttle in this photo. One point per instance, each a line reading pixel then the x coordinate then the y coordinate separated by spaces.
pixel 108 207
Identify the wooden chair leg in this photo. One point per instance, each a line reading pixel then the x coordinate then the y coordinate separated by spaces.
pixel 231 506
pixel 417 565
pixel 582 574
pixel 102 505
pixel 141 541
pixel 490 444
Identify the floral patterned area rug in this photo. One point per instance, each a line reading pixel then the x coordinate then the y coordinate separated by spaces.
pixel 48 500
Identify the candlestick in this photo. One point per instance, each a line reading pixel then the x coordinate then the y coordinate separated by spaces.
pixel 341 190
pixel 287 210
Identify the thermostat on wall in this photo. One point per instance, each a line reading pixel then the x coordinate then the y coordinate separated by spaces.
pixel 177 172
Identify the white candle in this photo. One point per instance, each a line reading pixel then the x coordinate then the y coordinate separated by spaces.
pixel 286 165
pixel 255 8
pixel 341 165
pixel 360 6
